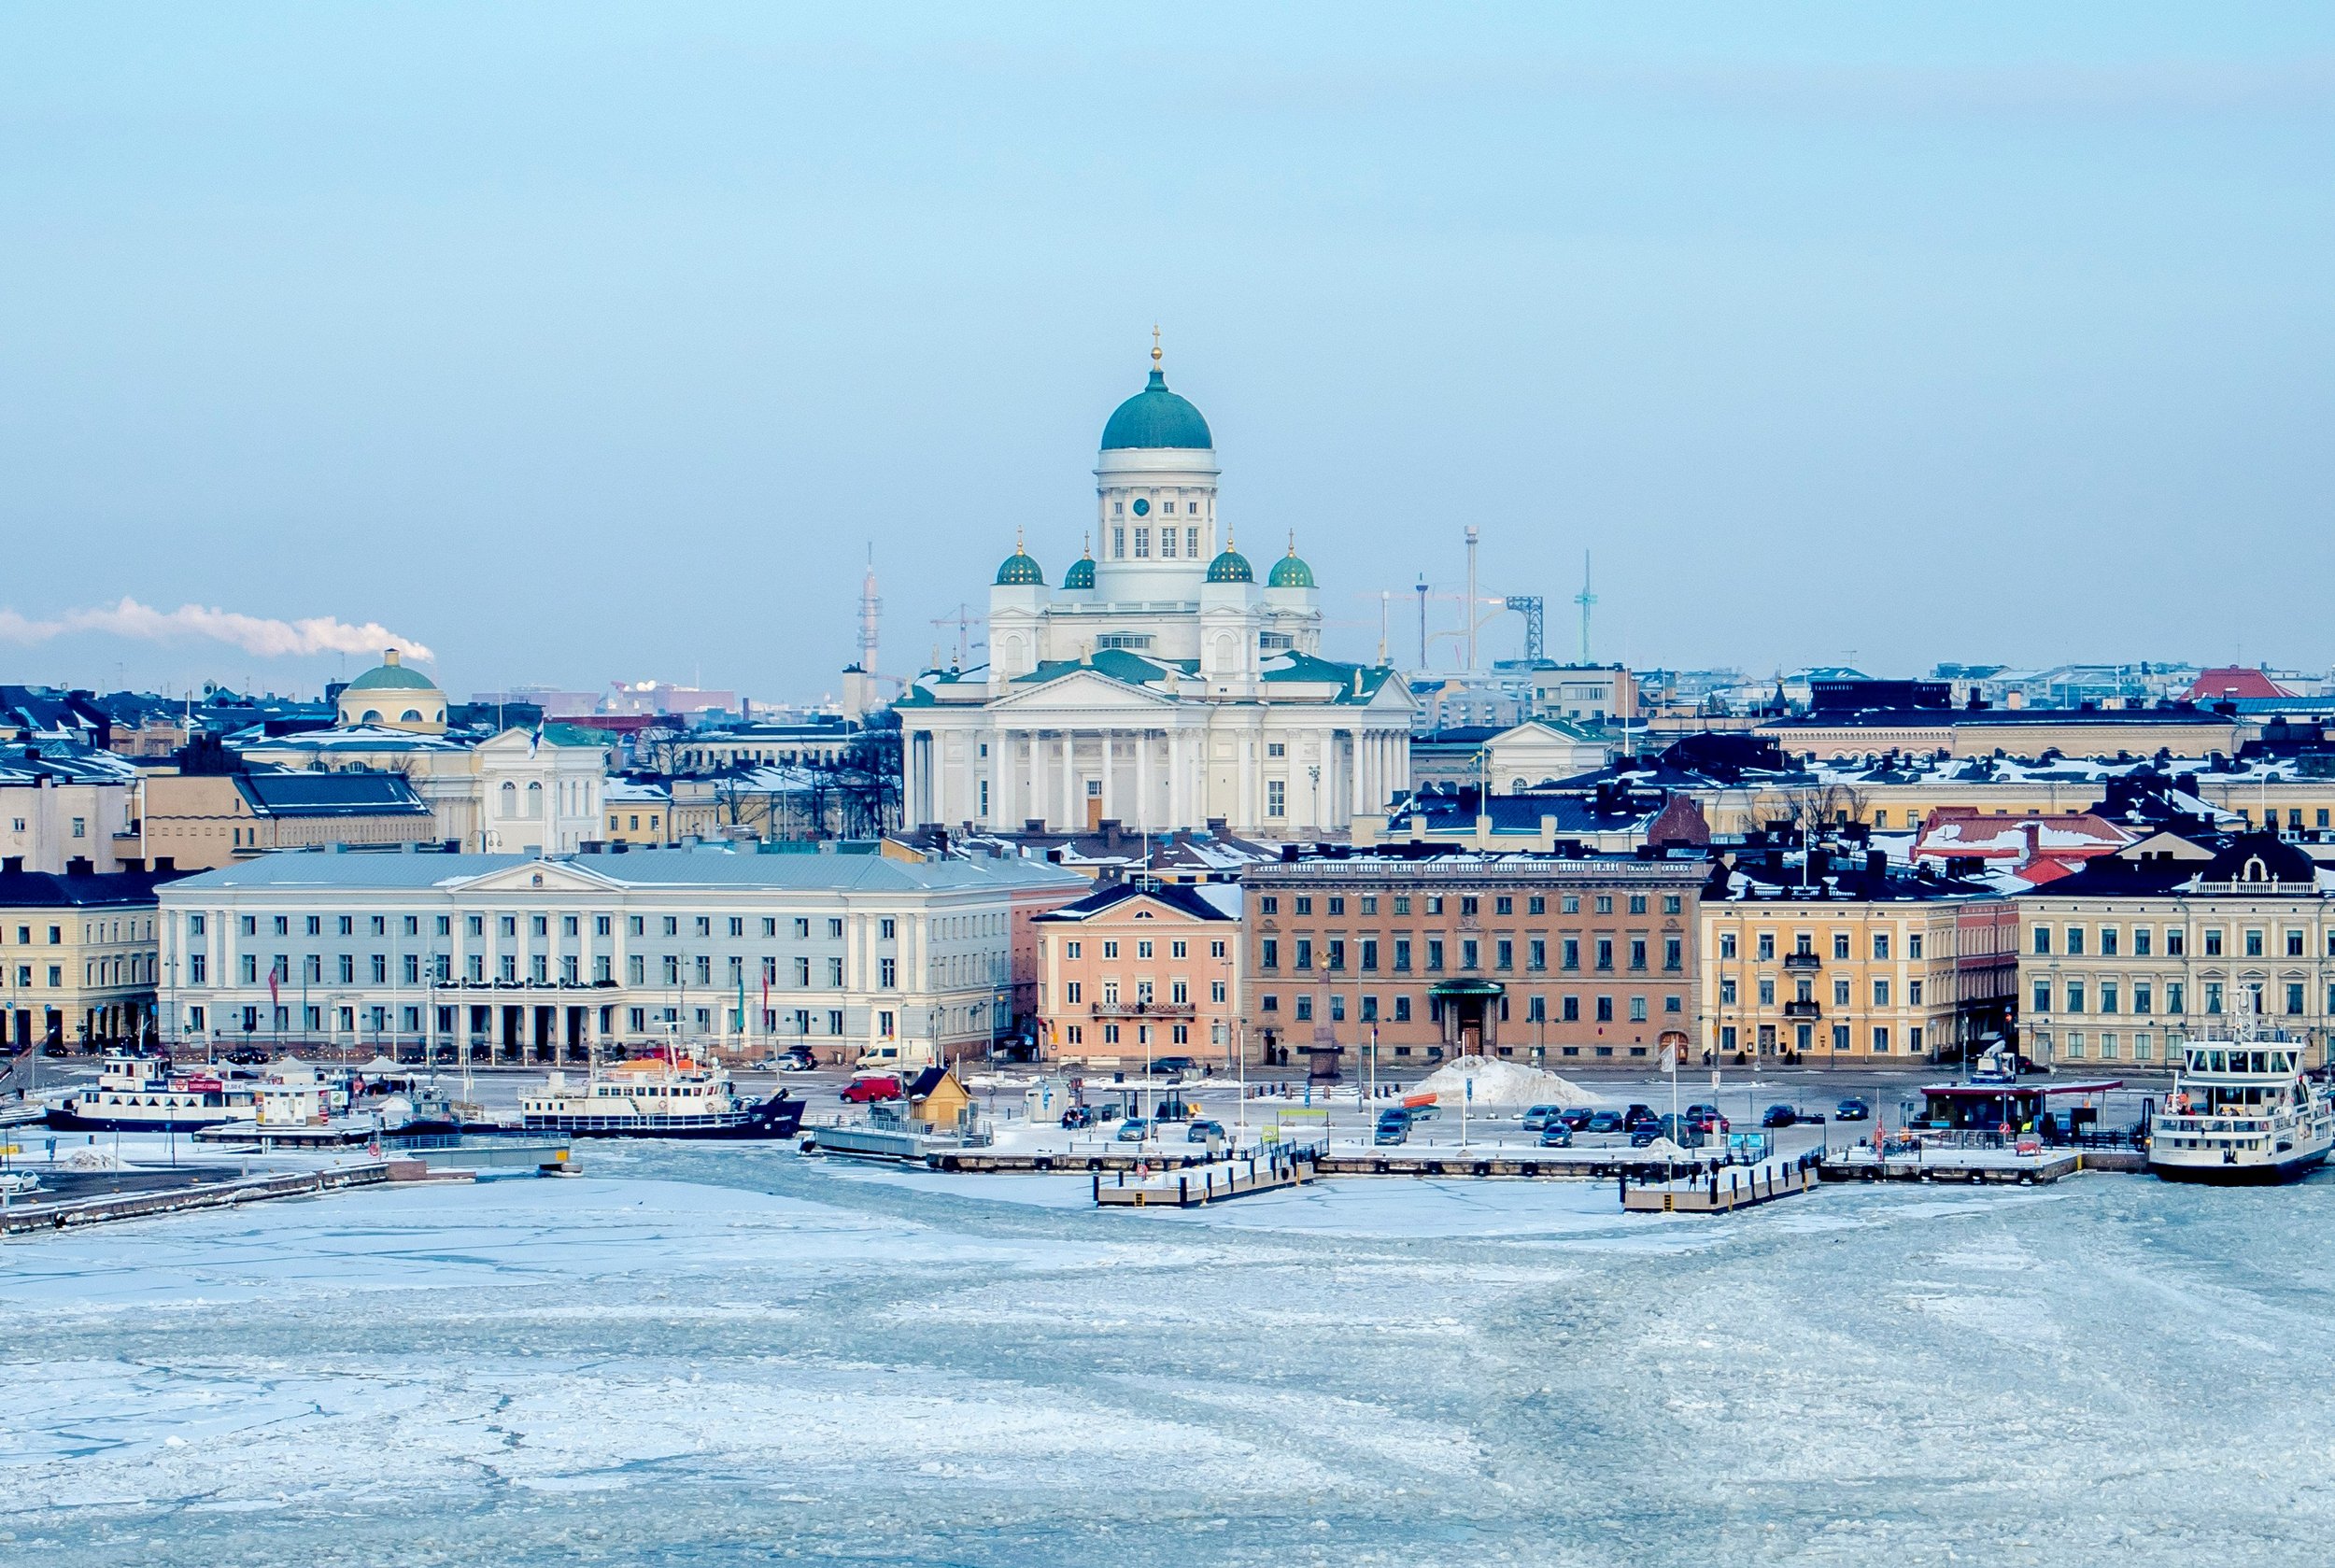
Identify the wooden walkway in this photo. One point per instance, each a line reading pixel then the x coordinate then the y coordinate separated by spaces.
pixel 1207 1184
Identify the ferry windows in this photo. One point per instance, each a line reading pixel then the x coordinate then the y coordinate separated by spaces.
pixel 2042 941
pixel 2107 942
pixel 2176 941
pixel 2076 942
pixel 2141 935
pixel 2212 941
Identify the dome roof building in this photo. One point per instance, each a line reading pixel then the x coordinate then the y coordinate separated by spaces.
pixel 1163 685
pixel 392 696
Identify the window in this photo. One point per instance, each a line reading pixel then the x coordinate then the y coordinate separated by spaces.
pixel 1768 946
pixel 1469 959
pixel 1503 905
pixel 1840 1037
pixel 2294 996
pixel 1726 944
pixel 1637 1010
pixel 1434 952
pixel 1369 955
pixel 1536 954
pixel 1605 903
pixel 835 971
pixel 2212 941
pixel 1276 798
pixel 1275 748
pixel 2075 996
pixel 1880 992
pixel 1727 992
pixel 1637 952
pixel 1402 954
pixel 1880 944
pixel 1673 903
pixel 1570 903
pixel 1071 949
pixel 1880 1039
pixel 1767 993
pixel 1674 953
pixel 1269 905
pixel 1305 952
pixel 2176 941
pixel 2253 945
pixel 2111 997
pixel 1604 1009
pixel 1605 952
pixel 2141 935
pixel 1269 954
pixel 2143 996
pixel 2294 944
pixel 1402 1010
pixel 1305 904
pixel 1332 953
pixel 1637 903
pixel 2175 996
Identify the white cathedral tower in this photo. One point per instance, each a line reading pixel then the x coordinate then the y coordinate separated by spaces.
pixel 1160 687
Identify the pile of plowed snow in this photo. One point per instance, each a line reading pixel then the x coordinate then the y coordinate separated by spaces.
pixel 1501 1083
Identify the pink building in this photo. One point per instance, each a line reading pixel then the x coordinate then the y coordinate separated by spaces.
pixel 1139 971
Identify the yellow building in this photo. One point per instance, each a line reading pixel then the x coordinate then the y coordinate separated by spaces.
pixel 392 696
pixel 79 956
pixel 2033 732
pixel 1813 961
pixel 637 814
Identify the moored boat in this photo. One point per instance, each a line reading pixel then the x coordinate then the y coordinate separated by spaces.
pixel 138 1094
pixel 658 1097
pixel 2243 1110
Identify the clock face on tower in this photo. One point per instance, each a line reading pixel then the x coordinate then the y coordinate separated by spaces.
pixel 1143 507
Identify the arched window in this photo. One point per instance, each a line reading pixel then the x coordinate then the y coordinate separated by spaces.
pixel 534 801
pixel 2256 870
pixel 510 799
pixel 371 715
pixel 411 715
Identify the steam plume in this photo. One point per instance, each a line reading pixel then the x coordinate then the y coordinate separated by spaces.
pixel 253 635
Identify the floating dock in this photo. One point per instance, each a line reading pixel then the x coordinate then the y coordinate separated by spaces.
pixel 1995 1166
pixel 1723 1190
pixel 220 1191
pixel 1213 1182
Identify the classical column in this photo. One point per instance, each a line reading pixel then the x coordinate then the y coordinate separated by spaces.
pixel 1109 799
pixel 1176 815
pixel 1247 786
pixel 1073 814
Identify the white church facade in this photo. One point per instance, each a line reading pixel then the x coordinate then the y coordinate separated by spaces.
pixel 1161 686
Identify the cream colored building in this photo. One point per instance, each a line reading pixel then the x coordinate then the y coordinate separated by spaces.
pixel 60 803
pixel 393 695
pixel 78 958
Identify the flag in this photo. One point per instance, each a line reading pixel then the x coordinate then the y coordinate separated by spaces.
pixel 741 1000
pixel 536 739
pixel 272 999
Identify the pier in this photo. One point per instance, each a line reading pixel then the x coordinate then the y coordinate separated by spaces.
pixel 182 1191
pixel 1724 1190
pixel 1213 1182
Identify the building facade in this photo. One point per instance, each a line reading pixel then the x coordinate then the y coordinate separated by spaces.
pixel 515 957
pixel 78 954
pixel 62 802
pixel 194 821
pixel 1162 686
pixel 1856 962
pixel 1136 971
pixel 1584 959
pixel 2121 961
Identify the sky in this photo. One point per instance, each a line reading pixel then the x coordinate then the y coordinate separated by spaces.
pixel 575 343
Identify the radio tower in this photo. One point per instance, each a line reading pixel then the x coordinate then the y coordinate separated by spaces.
pixel 1584 598
pixel 870 611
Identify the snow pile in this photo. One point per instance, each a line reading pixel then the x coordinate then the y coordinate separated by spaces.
pixel 1500 1082
pixel 92 1157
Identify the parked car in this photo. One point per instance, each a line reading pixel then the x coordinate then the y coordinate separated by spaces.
pixel 1605 1122
pixel 1134 1130
pixel 1540 1116
pixel 1394 1127
pixel 246 1057
pixel 1684 1131
pixel 1639 1116
pixel 1577 1117
pixel 1779 1116
pixel 796 1058
pixel 1707 1118
pixel 1174 1067
pixel 1556 1135
pixel 868 1090
pixel 1078 1116
pixel 1852 1110
pixel 1643 1136
pixel 1202 1130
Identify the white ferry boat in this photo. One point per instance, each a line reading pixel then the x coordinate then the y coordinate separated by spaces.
pixel 658 1097
pixel 138 1094
pixel 2244 1109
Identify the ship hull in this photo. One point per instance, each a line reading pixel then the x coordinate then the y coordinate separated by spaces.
pixel 2267 1173
pixel 62 1121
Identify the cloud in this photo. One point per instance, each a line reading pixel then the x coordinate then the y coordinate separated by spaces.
pixel 253 635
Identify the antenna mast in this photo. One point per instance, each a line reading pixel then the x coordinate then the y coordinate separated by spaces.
pixel 1585 598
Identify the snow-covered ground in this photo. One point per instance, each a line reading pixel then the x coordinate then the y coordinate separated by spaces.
pixel 730 1356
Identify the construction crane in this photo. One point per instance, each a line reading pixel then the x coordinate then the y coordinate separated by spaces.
pixel 963 621
pixel 1529 606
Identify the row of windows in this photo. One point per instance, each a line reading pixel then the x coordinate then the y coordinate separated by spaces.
pixel 1806 992
pixel 1804 1038
pixel 675 969
pixel 1332 952
pixel 1144 543
pixel 1178 1034
pixel 25 936
pixel 24 976
pixel 888 929
pixel 2256 941
pixel 1600 1007
pixel 1177 948
pixel 1470 903
pixel 1803 945
pixel 1179 992
pixel 2110 996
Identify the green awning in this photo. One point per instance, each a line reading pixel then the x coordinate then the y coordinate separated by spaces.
pixel 1449 988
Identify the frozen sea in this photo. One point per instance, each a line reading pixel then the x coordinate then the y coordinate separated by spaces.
pixel 730 1357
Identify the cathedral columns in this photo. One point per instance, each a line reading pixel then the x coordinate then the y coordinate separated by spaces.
pixel 1109 796
pixel 1073 817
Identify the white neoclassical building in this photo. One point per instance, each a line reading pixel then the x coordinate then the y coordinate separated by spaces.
pixel 1161 686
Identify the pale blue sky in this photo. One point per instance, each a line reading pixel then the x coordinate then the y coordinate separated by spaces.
pixel 585 343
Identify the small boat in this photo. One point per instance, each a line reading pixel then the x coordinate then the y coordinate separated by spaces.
pixel 139 1094
pixel 2243 1111
pixel 657 1096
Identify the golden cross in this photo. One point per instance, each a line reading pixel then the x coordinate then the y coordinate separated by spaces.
pixel 1154 343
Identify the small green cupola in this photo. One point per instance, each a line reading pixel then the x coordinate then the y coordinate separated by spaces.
pixel 1081 572
pixel 1020 569
pixel 1230 567
pixel 1289 571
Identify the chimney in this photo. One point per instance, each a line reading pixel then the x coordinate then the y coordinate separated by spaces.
pixel 79 866
pixel 1877 865
pixel 2015 698
pixel 13 865
pixel 2034 841
pixel 165 863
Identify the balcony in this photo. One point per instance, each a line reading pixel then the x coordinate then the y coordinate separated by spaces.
pixel 1803 1009
pixel 1143 1010
pixel 1803 961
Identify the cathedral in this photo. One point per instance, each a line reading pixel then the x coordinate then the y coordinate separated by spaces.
pixel 1161 685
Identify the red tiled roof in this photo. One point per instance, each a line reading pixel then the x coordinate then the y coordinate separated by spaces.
pixel 2233 681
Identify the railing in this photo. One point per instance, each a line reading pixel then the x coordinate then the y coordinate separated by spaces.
pixel 1803 1009
pixel 1803 961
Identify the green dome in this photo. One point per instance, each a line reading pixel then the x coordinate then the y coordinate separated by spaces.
pixel 1230 567
pixel 1290 573
pixel 1021 571
pixel 1081 574
pixel 390 674
pixel 1155 416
